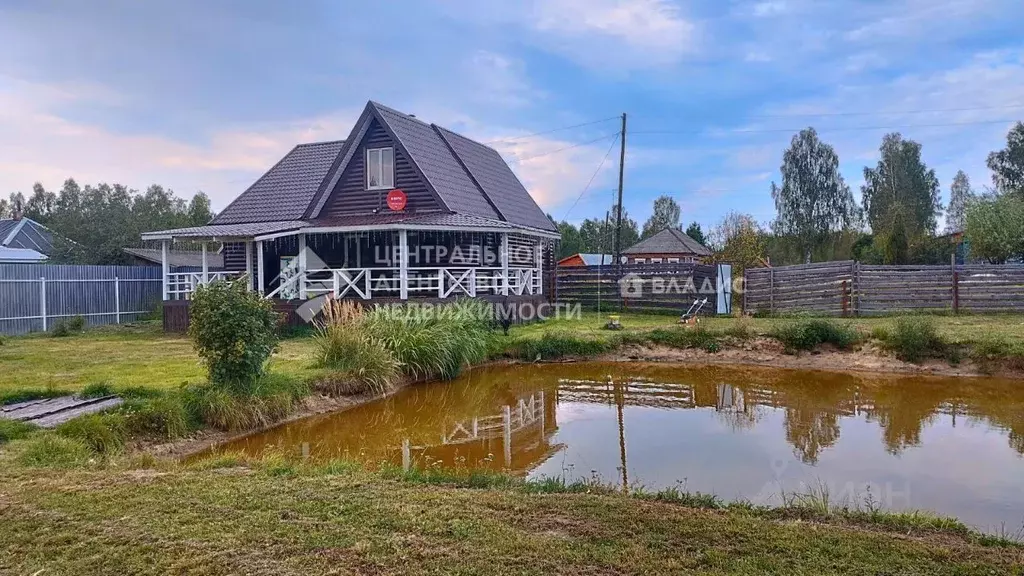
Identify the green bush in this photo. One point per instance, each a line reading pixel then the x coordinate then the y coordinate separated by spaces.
pixel 14 430
pixel 162 417
pixel 234 331
pixel 554 345
pixel 104 433
pixel 52 451
pixel 809 334
pixel 914 339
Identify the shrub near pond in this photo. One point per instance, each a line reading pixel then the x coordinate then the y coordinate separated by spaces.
pixel 914 339
pixel 234 330
pixel 809 334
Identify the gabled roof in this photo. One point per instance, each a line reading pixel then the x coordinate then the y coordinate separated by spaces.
pixel 284 192
pixel 668 241
pixel 26 233
pixel 466 178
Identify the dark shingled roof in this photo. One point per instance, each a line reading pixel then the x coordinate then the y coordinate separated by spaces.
pixel 497 181
pixel 246 230
pixel 668 241
pixel 471 180
pixel 26 233
pixel 284 192
pixel 428 151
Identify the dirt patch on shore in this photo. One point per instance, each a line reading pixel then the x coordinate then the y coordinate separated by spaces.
pixel 770 352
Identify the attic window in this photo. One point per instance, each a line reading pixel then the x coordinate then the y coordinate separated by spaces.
pixel 380 168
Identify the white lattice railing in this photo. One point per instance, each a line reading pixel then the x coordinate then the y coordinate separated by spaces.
pixel 437 282
pixel 181 285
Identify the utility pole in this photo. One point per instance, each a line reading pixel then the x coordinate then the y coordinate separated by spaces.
pixel 622 168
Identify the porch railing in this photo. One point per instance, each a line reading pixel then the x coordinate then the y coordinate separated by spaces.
pixel 437 282
pixel 181 285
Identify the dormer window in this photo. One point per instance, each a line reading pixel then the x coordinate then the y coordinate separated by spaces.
pixel 380 168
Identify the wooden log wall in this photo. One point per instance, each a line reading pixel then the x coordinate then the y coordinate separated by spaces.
pixel 849 288
pixel 662 287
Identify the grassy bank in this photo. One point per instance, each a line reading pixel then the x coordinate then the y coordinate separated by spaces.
pixel 281 518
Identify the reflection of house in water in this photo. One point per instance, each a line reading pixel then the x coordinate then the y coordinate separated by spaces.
pixel 520 429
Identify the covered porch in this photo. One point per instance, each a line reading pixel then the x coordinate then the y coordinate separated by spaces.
pixel 299 261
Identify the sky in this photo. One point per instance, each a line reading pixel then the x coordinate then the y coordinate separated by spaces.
pixel 200 95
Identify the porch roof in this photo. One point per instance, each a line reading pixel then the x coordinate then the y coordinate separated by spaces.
pixel 248 230
pixel 350 223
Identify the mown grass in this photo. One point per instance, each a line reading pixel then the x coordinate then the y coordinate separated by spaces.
pixel 265 517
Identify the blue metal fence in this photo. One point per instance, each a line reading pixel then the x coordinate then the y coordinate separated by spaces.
pixel 35 296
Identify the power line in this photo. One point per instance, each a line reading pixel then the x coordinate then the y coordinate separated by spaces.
pixel 592 177
pixel 512 138
pixel 934 110
pixel 829 129
pixel 521 159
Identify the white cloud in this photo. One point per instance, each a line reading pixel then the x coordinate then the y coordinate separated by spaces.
pixel 39 143
pixel 498 79
pixel 610 35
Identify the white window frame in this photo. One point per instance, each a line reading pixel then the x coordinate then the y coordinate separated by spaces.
pixel 656 260
pixel 673 260
pixel 384 184
pixel 639 260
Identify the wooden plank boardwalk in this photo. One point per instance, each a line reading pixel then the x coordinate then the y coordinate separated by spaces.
pixel 50 412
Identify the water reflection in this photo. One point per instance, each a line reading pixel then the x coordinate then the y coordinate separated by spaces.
pixel 951 445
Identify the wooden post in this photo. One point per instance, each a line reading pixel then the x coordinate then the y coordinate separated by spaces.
pixel 506 420
pixel 771 290
pixel 406 456
pixel 856 288
pixel 165 269
pixel 539 261
pixel 956 284
pixel 302 267
pixel 206 266
pixel 846 298
pixel 249 280
pixel 504 263
pixel 259 267
pixel 403 264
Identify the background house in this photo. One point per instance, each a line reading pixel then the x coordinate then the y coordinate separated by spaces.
pixel 23 240
pixel 581 259
pixel 177 260
pixel 670 246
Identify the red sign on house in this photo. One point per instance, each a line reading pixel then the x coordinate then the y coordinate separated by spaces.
pixel 396 200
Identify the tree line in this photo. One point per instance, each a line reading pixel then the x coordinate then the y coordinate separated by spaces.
pixel 93 224
pixel 819 219
pixel 896 221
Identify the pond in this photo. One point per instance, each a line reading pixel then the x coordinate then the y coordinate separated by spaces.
pixel 950 445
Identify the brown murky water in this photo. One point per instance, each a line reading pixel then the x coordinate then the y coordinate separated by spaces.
pixel 953 446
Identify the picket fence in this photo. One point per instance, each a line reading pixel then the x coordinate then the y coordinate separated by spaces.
pixel 849 288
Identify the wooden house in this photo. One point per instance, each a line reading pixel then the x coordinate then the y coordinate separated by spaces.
pixel 670 246
pixel 400 210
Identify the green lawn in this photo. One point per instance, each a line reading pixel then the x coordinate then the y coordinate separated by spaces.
pixel 238 520
pixel 142 355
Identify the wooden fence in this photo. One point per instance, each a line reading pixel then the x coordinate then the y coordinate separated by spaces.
pixel 849 288
pixel 643 287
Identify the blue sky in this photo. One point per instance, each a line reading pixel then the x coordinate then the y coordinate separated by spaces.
pixel 208 95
